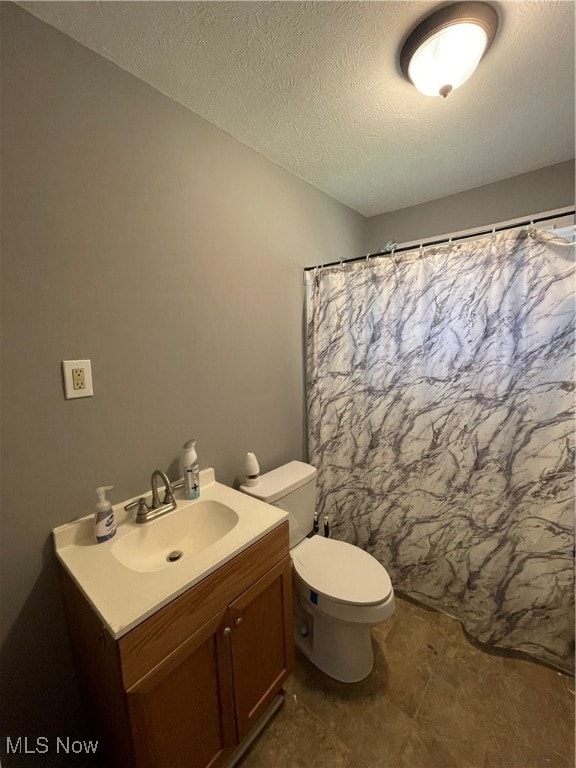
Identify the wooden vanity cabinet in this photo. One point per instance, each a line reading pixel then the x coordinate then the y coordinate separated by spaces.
pixel 189 684
pixel 181 712
pixel 262 653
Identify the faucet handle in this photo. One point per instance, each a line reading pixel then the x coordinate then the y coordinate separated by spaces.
pixel 168 498
pixel 168 492
pixel 141 502
pixel 143 508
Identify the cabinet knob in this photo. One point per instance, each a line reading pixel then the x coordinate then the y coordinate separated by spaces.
pixel 226 631
pixel 238 621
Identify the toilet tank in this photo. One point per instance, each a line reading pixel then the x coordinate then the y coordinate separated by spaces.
pixel 291 487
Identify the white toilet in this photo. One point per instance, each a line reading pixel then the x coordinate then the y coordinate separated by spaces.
pixel 340 591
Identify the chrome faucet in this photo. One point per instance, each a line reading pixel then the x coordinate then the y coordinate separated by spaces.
pixel 158 508
pixel 168 496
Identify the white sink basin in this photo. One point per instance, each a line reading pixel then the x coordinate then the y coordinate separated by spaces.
pixel 177 535
pixel 129 577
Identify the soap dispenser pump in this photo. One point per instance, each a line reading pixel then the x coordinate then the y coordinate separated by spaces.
pixel 104 523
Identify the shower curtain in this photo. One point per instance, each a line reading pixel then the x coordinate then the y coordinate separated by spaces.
pixel 440 419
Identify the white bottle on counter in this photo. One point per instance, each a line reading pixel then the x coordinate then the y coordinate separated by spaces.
pixel 190 470
pixel 104 523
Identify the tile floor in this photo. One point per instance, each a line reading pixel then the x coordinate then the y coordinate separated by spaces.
pixel 434 700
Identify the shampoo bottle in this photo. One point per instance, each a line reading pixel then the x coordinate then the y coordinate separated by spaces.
pixel 190 470
pixel 104 524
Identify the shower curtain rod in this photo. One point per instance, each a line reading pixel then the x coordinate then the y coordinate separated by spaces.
pixel 392 250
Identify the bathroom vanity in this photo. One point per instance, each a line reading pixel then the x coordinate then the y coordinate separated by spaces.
pixel 193 681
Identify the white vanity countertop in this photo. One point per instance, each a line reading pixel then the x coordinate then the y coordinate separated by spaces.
pixel 123 597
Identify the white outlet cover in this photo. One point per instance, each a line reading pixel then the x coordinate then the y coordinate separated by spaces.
pixel 69 391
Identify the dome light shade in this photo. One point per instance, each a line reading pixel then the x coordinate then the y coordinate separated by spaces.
pixel 444 50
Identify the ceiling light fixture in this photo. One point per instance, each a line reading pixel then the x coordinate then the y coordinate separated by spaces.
pixel 444 50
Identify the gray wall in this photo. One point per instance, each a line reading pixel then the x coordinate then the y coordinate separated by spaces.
pixel 139 236
pixel 530 193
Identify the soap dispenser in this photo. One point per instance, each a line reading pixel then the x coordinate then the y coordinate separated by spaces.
pixel 104 524
pixel 190 470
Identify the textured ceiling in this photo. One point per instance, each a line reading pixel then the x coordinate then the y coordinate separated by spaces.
pixel 315 87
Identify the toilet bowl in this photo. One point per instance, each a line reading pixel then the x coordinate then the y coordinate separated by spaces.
pixel 340 591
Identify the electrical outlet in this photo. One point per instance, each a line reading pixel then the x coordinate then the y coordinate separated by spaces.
pixel 77 375
pixel 78 378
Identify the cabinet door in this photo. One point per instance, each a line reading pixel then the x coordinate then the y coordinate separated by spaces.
pixel 182 711
pixel 262 644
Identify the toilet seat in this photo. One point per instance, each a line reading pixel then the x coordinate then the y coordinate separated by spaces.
pixel 341 572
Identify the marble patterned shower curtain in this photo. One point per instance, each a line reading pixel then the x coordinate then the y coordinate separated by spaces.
pixel 440 419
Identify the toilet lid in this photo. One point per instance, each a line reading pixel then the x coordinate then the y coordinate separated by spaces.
pixel 341 571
